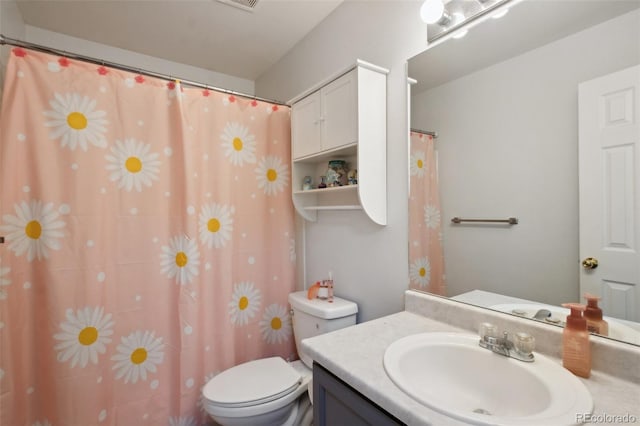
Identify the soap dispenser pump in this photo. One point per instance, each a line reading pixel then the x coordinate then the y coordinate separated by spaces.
pixel 593 315
pixel 576 351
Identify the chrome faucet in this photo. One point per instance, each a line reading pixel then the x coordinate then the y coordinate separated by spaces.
pixel 521 348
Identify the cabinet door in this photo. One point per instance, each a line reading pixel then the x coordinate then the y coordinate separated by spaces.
pixel 339 111
pixel 336 403
pixel 305 126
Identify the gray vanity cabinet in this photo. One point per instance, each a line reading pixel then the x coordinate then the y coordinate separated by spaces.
pixel 335 403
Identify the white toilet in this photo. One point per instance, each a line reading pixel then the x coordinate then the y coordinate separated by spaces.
pixel 271 391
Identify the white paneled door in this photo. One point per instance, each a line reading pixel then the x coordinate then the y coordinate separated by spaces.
pixel 609 170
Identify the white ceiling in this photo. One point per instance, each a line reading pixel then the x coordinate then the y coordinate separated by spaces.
pixel 202 33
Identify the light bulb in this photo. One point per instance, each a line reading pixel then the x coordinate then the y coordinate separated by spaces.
pixel 431 11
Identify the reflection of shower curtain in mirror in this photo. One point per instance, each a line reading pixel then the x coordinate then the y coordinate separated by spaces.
pixel 426 257
pixel 149 243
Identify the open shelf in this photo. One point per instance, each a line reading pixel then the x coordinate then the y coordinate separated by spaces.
pixel 328 189
pixel 354 207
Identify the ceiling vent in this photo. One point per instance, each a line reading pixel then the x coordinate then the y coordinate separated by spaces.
pixel 247 5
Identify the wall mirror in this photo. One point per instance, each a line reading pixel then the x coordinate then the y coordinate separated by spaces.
pixel 504 102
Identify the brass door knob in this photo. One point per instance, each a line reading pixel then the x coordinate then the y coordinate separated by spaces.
pixel 590 263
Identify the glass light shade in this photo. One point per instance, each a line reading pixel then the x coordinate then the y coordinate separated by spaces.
pixel 457 18
pixel 431 11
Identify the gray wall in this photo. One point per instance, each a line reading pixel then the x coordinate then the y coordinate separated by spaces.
pixel 11 25
pixel 137 60
pixel 369 262
pixel 508 146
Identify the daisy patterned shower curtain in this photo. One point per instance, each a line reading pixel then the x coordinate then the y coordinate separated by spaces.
pixel 148 243
pixel 426 256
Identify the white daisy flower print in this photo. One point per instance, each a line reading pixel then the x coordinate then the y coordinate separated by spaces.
pixel 4 281
pixel 34 230
pixel 420 272
pixel 417 165
pixel 138 354
pixel 244 304
pixel 272 175
pixel 84 335
pixel 275 324
pixel 75 120
pixel 239 145
pixel 431 216
pixel 183 421
pixel 132 164
pixel 180 259
pixel 216 225
pixel 292 250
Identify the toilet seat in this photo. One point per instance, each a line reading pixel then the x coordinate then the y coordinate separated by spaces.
pixel 252 383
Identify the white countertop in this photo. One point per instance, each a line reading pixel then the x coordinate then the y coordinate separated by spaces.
pixel 355 354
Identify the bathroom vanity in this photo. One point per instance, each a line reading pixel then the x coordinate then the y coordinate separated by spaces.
pixel 351 378
pixel 335 403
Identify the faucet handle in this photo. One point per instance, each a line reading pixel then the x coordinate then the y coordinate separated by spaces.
pixel 524 343
pixel 488 330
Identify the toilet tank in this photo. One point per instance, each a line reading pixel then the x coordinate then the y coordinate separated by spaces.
pixel 318 316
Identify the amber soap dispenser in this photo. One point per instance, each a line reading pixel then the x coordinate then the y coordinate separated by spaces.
pixel 576 350
pixel 593 315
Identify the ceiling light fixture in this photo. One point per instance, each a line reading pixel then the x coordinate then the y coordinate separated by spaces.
pixel 450 16
pixel 499 14
pixel 460 34
pixel 457 18
pixel 246 5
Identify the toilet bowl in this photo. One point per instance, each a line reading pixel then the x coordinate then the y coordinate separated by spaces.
pixel 272 391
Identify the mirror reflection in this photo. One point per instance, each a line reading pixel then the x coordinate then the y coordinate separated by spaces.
pixel 535 120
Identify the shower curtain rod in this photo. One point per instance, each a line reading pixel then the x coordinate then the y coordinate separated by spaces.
pixel 19 43
pixel 425 132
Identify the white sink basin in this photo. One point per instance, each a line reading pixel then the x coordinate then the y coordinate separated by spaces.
pixel 617 330
pixel 452 374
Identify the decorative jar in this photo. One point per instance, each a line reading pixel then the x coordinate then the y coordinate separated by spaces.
pixel 337 173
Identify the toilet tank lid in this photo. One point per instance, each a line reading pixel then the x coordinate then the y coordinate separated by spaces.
pixel 321 308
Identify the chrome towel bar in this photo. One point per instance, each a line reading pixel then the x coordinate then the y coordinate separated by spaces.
pixel 510 221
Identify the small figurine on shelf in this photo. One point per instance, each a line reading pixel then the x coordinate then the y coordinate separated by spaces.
pixel 323 182
pixel 352 177
pixel 306 183
pixel 337 173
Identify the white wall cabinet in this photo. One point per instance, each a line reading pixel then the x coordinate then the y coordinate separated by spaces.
pixel 343 118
